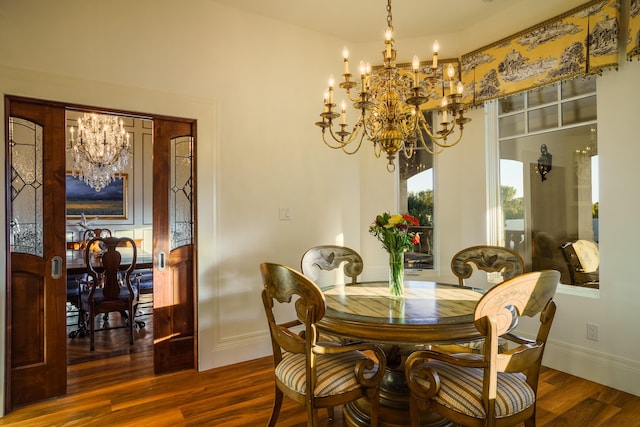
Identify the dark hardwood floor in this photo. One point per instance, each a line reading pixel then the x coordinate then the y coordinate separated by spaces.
pixel 122 391
pixel 115 385
pixel 113 342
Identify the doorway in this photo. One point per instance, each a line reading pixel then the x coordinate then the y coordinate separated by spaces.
pixel 37 228
pixel 124 208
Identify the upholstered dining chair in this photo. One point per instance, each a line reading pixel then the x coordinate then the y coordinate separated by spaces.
pixel 491 259
pixel 314 374
pixel 583 261
pixel 490 389
pixel 331 257
pixel 110 287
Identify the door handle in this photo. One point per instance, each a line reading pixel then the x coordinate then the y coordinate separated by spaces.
pixel 56 267
pixel 161 260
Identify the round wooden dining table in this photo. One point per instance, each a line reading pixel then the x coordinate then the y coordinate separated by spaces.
pixel 427 314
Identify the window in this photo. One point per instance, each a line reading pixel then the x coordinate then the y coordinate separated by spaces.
pixel 549 177
pixel 416 198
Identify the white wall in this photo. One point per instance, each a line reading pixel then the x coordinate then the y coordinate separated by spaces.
pixel 255 87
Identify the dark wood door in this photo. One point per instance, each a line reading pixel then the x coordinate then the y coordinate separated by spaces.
pixel 174 247
pixel 36 366
pixel 35 249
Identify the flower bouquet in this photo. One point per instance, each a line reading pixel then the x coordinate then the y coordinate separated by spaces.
pixel 393 232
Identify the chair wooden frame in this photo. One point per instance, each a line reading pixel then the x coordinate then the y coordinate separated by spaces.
pixel 330 257
pixel 90 233
pixel 530 294
pixel 362 373
pixel 106 293
pixel 492 259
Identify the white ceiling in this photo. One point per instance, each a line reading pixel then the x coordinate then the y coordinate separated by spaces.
pixel 365 20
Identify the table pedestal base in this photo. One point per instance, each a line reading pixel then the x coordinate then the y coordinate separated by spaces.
pixel 394 406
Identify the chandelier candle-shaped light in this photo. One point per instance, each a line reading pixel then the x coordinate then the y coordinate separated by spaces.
pixel 101 149
pixel 388 104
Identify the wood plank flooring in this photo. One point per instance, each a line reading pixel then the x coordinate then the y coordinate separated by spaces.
pixel 114 342
pixel 241 395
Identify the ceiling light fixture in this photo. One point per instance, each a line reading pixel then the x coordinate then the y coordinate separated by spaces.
pixel 389 105
pixel 100 151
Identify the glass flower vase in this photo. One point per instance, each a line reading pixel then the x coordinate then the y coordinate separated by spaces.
pixel 396 274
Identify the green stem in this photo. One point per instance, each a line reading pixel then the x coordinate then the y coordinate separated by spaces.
pixel 396 274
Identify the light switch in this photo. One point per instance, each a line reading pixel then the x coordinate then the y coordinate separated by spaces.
pixel 285 214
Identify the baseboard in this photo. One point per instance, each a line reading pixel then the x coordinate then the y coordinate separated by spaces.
pixel 603 368
pixel 236 350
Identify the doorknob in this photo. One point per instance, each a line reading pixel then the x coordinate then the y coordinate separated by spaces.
pixel 56 267
pixel 161 260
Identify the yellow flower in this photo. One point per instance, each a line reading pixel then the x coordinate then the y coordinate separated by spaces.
pixel 393 220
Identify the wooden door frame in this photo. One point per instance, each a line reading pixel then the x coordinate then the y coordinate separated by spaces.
pixel 88 108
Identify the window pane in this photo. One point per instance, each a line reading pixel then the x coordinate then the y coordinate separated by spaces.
pixel 420 201
pixel 542 95
pixel 543 118
pixel 416 183
pixel 579 110
pixel 511 125
pixel 511 103
pixel 512 199
pixel 578 86
pixel 540 216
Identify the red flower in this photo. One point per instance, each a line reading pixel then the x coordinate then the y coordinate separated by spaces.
pixel 410 219
pixel 393 232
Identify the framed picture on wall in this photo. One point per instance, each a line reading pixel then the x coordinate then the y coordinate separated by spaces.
pixel 108 203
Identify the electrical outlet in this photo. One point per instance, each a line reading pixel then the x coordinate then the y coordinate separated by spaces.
pixel 592 331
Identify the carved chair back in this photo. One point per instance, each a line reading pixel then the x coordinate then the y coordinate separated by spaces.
pixel 492 259
pixel 331 257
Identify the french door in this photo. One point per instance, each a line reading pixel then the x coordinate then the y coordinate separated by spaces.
pixel 173 243
pixel 35 249
pixel 36 365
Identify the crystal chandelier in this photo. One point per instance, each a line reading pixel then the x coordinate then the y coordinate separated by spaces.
pixel 388 104
pixel 101 149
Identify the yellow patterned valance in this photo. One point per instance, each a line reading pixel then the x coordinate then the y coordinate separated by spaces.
pixel 633 42
pixel 582 41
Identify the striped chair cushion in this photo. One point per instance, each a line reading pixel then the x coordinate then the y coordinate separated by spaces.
pixel 461 391
pixel 335 372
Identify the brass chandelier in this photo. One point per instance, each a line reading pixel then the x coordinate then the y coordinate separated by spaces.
pixel 388 103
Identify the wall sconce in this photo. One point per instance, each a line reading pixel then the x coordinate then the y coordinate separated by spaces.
pixel 544 162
